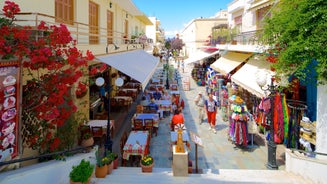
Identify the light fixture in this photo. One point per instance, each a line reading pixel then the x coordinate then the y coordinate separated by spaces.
pixel 100 82
pixel 261 81
pixel 110 5
pixel 126 15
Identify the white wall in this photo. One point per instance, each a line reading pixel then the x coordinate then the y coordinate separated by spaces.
pixel 52 172
pixel 321 129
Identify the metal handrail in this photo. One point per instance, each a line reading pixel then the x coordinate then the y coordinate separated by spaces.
pixel 44 155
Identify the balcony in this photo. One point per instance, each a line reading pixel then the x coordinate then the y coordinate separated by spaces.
pixel 99 40
pixel 245 41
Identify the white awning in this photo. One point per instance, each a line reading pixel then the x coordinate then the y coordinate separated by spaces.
pixel 226 63
pixel 198 55
pixel 137 64
pixel 246 77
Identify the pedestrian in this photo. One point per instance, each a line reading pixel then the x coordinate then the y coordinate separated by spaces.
pixel 211 107
pixel 199 102
pixel 182 66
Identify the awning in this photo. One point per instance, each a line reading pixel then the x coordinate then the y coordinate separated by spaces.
pixel 246 77
pixel 137 64
pixel 198 55
pixel 226 63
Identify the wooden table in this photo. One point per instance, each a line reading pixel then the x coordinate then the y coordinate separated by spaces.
pixel 137 144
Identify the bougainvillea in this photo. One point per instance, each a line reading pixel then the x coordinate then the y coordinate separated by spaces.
pixel 53 65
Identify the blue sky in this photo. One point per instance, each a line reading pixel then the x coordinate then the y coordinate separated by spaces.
pixel 175 14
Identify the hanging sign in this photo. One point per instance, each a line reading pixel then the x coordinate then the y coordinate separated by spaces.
pixel 9 109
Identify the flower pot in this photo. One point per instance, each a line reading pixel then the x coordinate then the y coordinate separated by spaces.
pixel 147 168
pixel 110 167
pixel 101 172
pixel 116 163
pixel 87 143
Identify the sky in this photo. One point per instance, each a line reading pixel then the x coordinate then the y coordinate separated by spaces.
pixel 174 15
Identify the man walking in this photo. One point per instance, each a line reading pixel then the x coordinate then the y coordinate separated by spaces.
pixel 199 101
pixel 211 107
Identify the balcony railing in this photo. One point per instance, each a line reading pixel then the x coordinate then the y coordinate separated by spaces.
pixel 81 32
pixel 244 38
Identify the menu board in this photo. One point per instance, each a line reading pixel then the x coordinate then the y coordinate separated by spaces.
pixel 196 139
pixel 9 108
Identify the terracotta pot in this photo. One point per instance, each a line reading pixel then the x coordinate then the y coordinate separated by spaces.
pixel 101 172
pixel 87 142
pixel 147 168
pixel 116 163
pixel 110 167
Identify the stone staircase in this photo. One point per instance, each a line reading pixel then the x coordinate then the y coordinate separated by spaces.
pixel 229 176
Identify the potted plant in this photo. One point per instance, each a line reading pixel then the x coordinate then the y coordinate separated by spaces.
pixel 147 163
pixel 111 157
pixel 81 173
pixel 87 140
pixel 101 168
pixel 115 160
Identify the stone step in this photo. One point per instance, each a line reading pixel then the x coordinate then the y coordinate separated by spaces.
pixel 230 176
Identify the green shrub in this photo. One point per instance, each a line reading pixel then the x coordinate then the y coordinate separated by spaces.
pixel 81 172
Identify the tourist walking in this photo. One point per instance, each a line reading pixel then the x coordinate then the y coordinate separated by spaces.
pixel 211 107
pixel 199 102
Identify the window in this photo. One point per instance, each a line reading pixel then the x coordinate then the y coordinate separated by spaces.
pixel 110 19
pixel 64 11
pixel 93 23
pixel 261 14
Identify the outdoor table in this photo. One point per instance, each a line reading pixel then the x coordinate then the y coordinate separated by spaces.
pixel 128 99
pixel 103 124
pixel 143 116
pixel 137 144
pixel 164 105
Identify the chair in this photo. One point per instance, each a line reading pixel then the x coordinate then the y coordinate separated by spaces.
pixel 148 125
pixel 98 134
pixel 121 103
pixel 121 93
pixel 139 109
pixel 123 140
pixel 138 124
pixel 84 129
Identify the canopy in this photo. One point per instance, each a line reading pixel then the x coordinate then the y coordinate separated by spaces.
pixel 246 77
pixel 137 64
pixel 226 63
pixel 198 55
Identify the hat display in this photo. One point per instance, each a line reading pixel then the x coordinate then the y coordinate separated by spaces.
pixel 238 100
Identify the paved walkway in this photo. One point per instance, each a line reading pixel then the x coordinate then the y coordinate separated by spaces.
pixel 217 152
pixel 219 159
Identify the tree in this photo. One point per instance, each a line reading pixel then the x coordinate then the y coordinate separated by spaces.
pixel 54 65
pixel 297 36
pixel 177 44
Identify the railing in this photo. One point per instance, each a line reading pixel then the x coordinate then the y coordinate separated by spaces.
pixel 81 32
pixel 244 38
pixel 60 153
